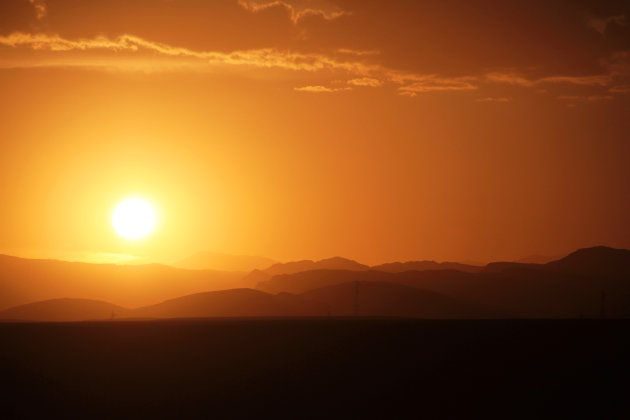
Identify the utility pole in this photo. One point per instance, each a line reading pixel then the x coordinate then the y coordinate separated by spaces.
pixel 356 299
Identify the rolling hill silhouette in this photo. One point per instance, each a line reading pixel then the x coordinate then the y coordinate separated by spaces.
pixel 522 293
pixel 217 304
pixel 27 280
pixel 376 299
pixel 232 303
pixel 365 298
pixel 335 263
pixel 224 262
pixel 304 281
pixel 64 310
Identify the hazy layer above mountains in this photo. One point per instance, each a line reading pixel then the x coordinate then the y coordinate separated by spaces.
pixel 24 281
pixel 224 262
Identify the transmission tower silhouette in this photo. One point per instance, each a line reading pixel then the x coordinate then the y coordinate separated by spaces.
pixel 356 299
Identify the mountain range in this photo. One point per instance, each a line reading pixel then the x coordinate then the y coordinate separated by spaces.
pixel 591 282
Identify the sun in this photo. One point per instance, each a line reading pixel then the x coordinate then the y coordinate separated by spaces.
pixel 133 218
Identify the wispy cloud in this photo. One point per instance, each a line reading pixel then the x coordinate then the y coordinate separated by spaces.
pixel 517 79
pixel 509 78
pixel 589 98
pixel 597 98
pixel 364 74
pixel 356 72
pixel 365 81
pixel 358 52
pixel 41 11
pixel 266 57
pixel 618 64
pixel 319 89
pixel 295 13
pixel 595 80
pixel 494 99
pixel 600 24
pixel 414 83
pixel 620 89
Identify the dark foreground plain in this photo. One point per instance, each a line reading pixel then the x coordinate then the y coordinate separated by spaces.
pixel 316 368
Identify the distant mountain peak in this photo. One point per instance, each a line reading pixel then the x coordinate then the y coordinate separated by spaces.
pixel 602 260
pixel 598 251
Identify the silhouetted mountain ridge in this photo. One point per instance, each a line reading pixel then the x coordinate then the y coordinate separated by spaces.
pixel 570 287
pixel 598 261
pixel 594 261
pixel 334 263
pixel 231 303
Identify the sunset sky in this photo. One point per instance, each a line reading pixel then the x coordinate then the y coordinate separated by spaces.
pixel 375 130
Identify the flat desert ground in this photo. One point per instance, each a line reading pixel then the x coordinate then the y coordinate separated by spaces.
pixel 323 368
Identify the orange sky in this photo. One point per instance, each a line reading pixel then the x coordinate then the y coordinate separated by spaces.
pixel 379 131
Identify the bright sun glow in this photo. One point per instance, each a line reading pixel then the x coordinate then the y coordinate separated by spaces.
pixel 133 218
